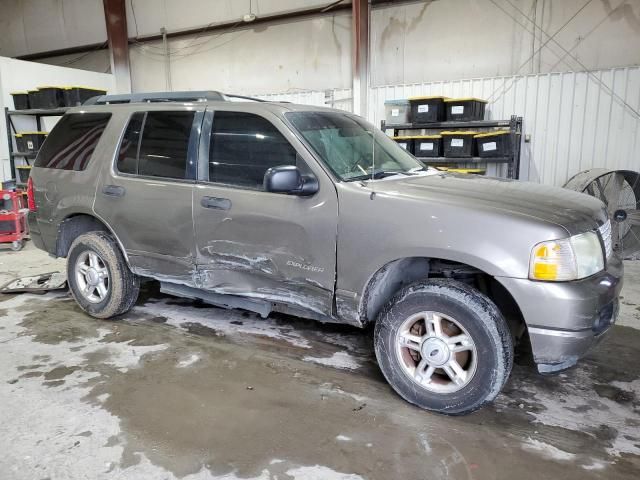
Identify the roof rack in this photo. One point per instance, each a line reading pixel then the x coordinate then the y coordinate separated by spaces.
pixel 155 97
pixel 243 97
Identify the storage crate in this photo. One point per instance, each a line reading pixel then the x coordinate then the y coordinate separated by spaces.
pixel 405 142
pixel 20 100
pixel 494 144
pixel 427 146
pixel 34 98
pixel 27 142
pixel 50 97
pixel 396 111
pixel 458 144
pixel 74 96
pixel 427 109
pixel 465 109
pixel 23 174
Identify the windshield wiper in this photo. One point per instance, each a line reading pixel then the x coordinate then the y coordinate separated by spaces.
pixel 378 174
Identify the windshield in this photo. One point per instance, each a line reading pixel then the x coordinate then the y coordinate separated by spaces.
pixel 345 143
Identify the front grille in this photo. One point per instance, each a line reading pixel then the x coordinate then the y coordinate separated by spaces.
pixel 605 233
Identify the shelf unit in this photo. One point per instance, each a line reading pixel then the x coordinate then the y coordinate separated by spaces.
pixel 514 124
pixel 11 129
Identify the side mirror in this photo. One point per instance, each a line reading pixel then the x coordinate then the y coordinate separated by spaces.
pixel 288 179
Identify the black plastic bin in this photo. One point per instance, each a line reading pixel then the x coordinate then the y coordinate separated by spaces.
pixel 50 97
pixel 23 174
pixel 405 142
pixel 494 144
pixel 458 144
pixel 28 142
pixel 34 98
pixel 427 109
pixel 427 146
pixel 74 96
pixel 20 100
pixel 465 109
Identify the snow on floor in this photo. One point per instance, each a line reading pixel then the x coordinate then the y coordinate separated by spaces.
pixel 60 415
pixel 338 360
pixel 547 451
pixel 227 322
pixel 566 408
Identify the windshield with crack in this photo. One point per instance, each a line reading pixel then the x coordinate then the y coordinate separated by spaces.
pixel 346 144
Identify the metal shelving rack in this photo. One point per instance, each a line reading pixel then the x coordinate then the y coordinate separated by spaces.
pixel 38 114
pixel 514 124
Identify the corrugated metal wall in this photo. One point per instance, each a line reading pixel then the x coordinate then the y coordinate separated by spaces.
pixel 337 98
pixel 576 121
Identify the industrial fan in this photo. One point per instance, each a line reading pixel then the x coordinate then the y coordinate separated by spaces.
pixel 619 190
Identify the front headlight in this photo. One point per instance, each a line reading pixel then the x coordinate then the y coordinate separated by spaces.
pixel 571 258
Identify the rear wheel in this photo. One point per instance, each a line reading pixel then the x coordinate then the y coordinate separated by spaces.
pixel 98 276
pixel 444 346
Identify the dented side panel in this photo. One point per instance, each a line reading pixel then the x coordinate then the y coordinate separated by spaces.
pixel 153 217
pixel 276 248
pixel 272 246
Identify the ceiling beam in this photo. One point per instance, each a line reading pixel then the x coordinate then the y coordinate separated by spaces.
pixel 361 19
pixel 115 16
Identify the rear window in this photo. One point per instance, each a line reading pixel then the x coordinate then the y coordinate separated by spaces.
pixel 72 141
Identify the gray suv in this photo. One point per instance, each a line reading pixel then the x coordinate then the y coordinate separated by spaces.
pixel 275 207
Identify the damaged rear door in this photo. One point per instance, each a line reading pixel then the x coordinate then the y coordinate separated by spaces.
pixel 145 195
pixel 260 244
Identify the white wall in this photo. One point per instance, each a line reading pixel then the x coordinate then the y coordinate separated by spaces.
pixel 303 54
pixel 17 75
pixel 97 60
pixel 412 42
pixel 151 15
pixel 33 26
pixel 445 40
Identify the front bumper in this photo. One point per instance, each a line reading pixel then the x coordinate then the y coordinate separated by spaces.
pixel 566 319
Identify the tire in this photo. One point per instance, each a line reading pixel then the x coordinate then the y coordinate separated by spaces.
pixel 121 286
pixel 402 339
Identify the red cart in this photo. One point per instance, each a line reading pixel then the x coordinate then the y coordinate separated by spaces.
pixel 13 218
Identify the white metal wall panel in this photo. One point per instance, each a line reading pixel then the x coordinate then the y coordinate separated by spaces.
pixel 337 98
pixel 574 120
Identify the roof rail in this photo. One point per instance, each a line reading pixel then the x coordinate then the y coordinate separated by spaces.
pixel 149 97
pixel 197 96
pixel 243 97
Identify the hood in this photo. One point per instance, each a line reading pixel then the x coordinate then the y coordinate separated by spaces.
pixel 576 212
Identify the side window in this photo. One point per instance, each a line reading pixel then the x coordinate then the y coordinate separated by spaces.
pixel 128 154
pixel 156 144
pixel 243 146
pixel 72 141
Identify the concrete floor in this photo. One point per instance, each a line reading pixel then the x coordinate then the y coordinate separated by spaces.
pixel 181 390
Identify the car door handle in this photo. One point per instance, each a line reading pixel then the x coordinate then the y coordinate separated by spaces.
pixel 216 203
pixel 113 190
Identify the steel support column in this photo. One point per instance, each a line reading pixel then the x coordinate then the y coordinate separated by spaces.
pixel 115 15
pixel 361 17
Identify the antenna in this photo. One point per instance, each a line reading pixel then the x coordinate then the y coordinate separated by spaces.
pixel 373 162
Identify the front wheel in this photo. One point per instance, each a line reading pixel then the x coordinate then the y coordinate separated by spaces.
pixel 444 346
pixel 98 276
